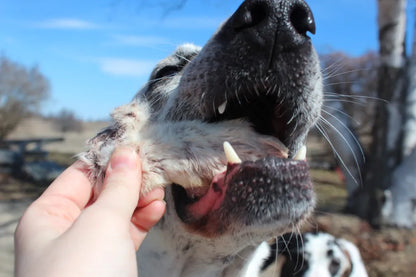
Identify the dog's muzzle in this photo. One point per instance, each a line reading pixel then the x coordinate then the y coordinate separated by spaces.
pixel 259 67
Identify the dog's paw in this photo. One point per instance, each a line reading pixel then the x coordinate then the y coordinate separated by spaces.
pixel 131 118
pixel 128 121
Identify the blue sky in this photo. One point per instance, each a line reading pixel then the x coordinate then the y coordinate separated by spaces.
pixel 98 53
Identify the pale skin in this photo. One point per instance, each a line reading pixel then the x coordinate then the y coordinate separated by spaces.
pixel 63 234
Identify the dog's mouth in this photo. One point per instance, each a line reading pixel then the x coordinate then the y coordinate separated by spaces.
pixel 266 115
pixel 252 192
pixel 270 170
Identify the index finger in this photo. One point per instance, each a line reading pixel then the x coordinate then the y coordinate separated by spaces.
pixel 73 184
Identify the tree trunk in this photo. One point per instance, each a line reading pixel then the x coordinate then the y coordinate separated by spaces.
pixel 385 151
pixel 409 133
pixel 402 192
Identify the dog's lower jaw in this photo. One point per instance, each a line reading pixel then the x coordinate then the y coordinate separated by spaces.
pixel 171 250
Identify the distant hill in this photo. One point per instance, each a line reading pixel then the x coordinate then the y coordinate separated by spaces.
pixel 37 127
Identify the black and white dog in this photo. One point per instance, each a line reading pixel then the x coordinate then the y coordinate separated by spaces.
pixel 255 85
pixel 314 255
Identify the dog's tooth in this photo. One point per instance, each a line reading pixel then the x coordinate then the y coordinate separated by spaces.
pixel 301 155
pixel 230 153
pixel 221 108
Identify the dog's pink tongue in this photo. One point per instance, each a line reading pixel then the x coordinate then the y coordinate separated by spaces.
pixel 212 200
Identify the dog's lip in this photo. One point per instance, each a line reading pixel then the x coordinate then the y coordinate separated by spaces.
pixel 196 193
pixel 234 185
pixel 209 199
pixel 279 151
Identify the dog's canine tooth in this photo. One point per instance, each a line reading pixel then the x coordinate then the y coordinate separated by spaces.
pixel 301 155
pixel 221 108
pixel 230 153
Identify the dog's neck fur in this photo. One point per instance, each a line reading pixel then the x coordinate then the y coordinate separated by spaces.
pixel 158 257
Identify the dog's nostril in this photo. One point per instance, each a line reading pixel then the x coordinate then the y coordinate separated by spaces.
pixel 302 20
pixel 251 16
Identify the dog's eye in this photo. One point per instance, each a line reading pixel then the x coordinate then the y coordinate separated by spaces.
pixel 166 71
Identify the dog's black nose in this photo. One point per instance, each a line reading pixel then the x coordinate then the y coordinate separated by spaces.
pixel 301 18
pixel 287 20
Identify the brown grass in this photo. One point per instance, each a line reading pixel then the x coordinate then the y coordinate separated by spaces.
pixel 36 127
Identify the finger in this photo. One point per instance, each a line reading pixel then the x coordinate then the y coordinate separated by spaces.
pixel 122 183
pixel 73 185
pixel 57 208
pixel 144 219
pixel 155 194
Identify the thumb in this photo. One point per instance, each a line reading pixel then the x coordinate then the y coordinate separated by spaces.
pixel 122 183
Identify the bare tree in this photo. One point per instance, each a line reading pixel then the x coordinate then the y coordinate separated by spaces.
pixel 385 151
pixel 348 111
pixel 66 121
pixel 409 135
pixel 353 82
pixel 22 91
pixel 400 209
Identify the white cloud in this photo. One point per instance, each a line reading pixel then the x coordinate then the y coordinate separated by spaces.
pixel 182 23
pixel 126 67
pixel 131 40
pixel 66 23
pixel 192 22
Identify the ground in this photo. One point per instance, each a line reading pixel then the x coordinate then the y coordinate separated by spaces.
pixel 386 252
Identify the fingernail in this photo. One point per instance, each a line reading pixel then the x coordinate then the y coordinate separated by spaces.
pixel 123 158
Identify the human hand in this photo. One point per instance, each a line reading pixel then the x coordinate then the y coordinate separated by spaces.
pixel 62 234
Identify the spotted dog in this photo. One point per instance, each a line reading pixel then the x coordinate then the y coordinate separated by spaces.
pixel 315 254
pixel 223 127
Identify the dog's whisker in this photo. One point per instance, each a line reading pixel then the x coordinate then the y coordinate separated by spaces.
pixel 356 141
pixel 339 83
pixel 331 69
pixel 183 58
pixel 355 97
pixel 297 268
pixel 276 255
pixel 299 258
pixel 334 67
pixel 325 135
pixel 150 81
pixel 302 247
pixel 346 101
pixel 286 243
pixel 327 77
pixel 357 163
pixel 340 110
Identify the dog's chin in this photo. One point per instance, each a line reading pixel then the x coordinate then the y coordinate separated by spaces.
pixel 270 194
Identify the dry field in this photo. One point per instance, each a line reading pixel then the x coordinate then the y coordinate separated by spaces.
pixel 36 127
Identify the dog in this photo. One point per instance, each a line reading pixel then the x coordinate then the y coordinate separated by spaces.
pixel 314 254
pixel 257 86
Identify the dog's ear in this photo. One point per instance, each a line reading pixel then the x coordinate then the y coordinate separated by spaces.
pixel 165 77
pixel 174 64
pixel 165 72
pixel 131 118
pixel 128 120
pixel 354 256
